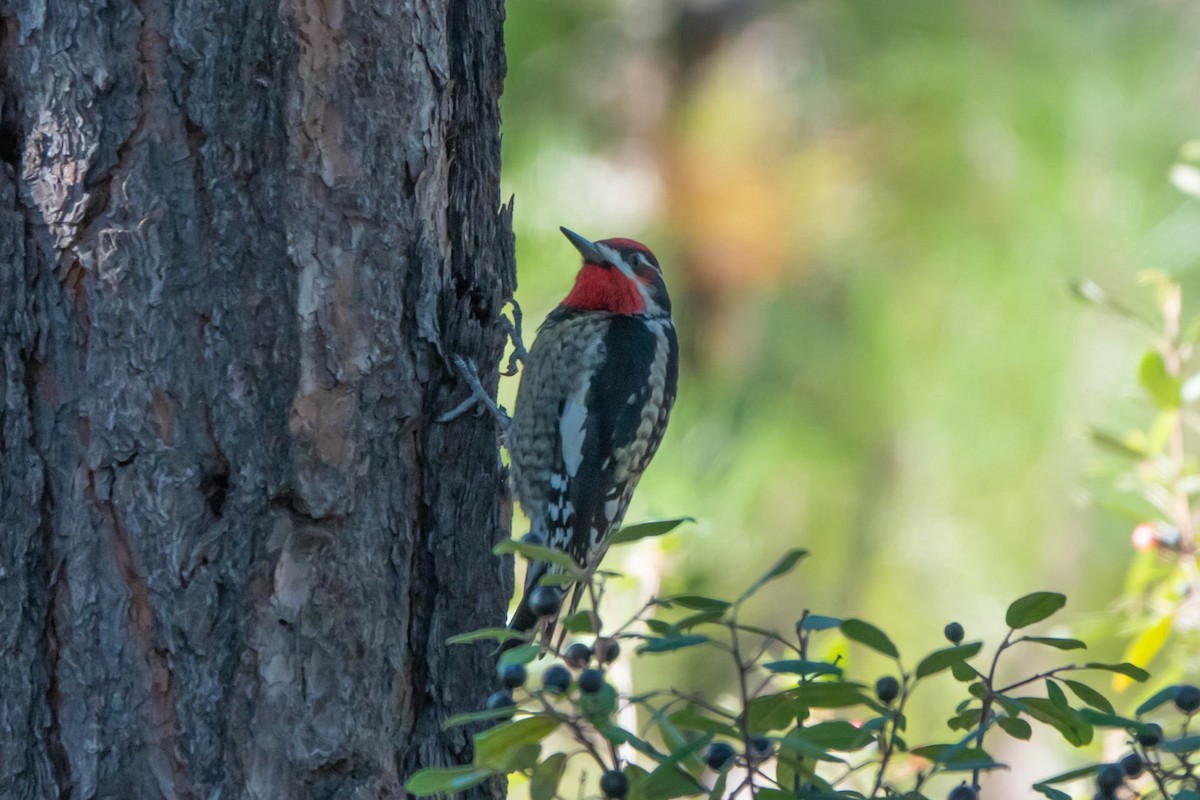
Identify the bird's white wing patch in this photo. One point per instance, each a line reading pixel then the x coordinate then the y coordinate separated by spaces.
pixel 571 429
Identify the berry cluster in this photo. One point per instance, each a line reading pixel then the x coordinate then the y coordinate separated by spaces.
pixel 589 663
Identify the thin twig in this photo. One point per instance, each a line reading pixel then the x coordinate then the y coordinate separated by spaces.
pixel 990 695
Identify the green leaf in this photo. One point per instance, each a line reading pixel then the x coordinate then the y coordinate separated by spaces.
pixel 963 672
pixel 771 712
pixel 445 780
pixel 519 655
pixel 1187 744
pixel 667 644
pixel 1074 775
pixel 835 735
pixel 495 747
pixel 816 622
pixel 543 785
pixel 868 634
pixel 1090 696
pixel 1066 721
pixel 695 602
pixel 699 618
pixel 1015 727
pixel 487 634
pixel 718 790
pixel 955 757
pixel 1187 794
pixel 579 622
pixel 966 720
pixel 1056 642
pixel 939 660
pixel 661 628
pixel 1053 794
pixel 1102 719
pixel 1055 694
pixel 802 667
pixel 691 718
pixel 559 579
pixel 807 750
pixel 1157 699
pixel 676 742
pixel 1153 376
pixel 599 705
pixel 644 530
pixel 619 736
pixel 534 552
pixel 613 733
pixel 782 567
pixel 478 716
pixel 668 780
pixel 1033 608
pixel 828 695
pixel 1128 670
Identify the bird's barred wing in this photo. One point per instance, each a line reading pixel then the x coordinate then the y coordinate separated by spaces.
pixel 609 428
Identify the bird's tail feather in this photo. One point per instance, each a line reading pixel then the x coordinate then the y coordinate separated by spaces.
pixel 523 619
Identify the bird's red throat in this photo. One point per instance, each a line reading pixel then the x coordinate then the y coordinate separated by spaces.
pixel 605 289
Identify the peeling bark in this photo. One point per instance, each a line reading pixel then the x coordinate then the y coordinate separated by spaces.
pixel 238 243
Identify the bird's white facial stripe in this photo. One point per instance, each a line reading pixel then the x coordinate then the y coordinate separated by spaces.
pixel 614 258
pixel 653 309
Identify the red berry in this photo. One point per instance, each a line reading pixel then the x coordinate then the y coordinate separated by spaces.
pixel 1143 538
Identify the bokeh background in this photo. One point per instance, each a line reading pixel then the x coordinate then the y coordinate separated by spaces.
pixel 869 215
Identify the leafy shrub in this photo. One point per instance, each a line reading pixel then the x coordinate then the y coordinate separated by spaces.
pixel 800 727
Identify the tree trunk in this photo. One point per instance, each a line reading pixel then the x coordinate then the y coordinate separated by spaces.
pixel 238 243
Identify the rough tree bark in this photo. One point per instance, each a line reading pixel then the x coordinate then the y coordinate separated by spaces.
pixel 238 242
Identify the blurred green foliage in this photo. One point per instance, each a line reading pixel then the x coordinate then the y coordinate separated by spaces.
pixel 869 214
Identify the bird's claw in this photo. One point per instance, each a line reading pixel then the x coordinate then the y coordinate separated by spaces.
pixel 478 399
pixel 513 329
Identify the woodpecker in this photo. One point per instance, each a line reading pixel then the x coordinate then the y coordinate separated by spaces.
pixel 596 390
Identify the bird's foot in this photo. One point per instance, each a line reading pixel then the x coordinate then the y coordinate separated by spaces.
pixel 479 399
pixel 512 327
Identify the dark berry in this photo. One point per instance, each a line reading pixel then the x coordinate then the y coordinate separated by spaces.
pixel 1149 735
pixel 963 792
pixel 1187 699
pixel 887 689
pixel 545 601
pixel 578 655
pixel 1109 778
pixel 614 784
pixel 759 748
pixel 954 632
pixel 591 681
pixel 556 679
pixel 1132 765
pixel 513 675
pixel 500 699
pixel 607 650
pixel 718 756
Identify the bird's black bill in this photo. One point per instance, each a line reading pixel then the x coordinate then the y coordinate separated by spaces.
pixel 587 249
